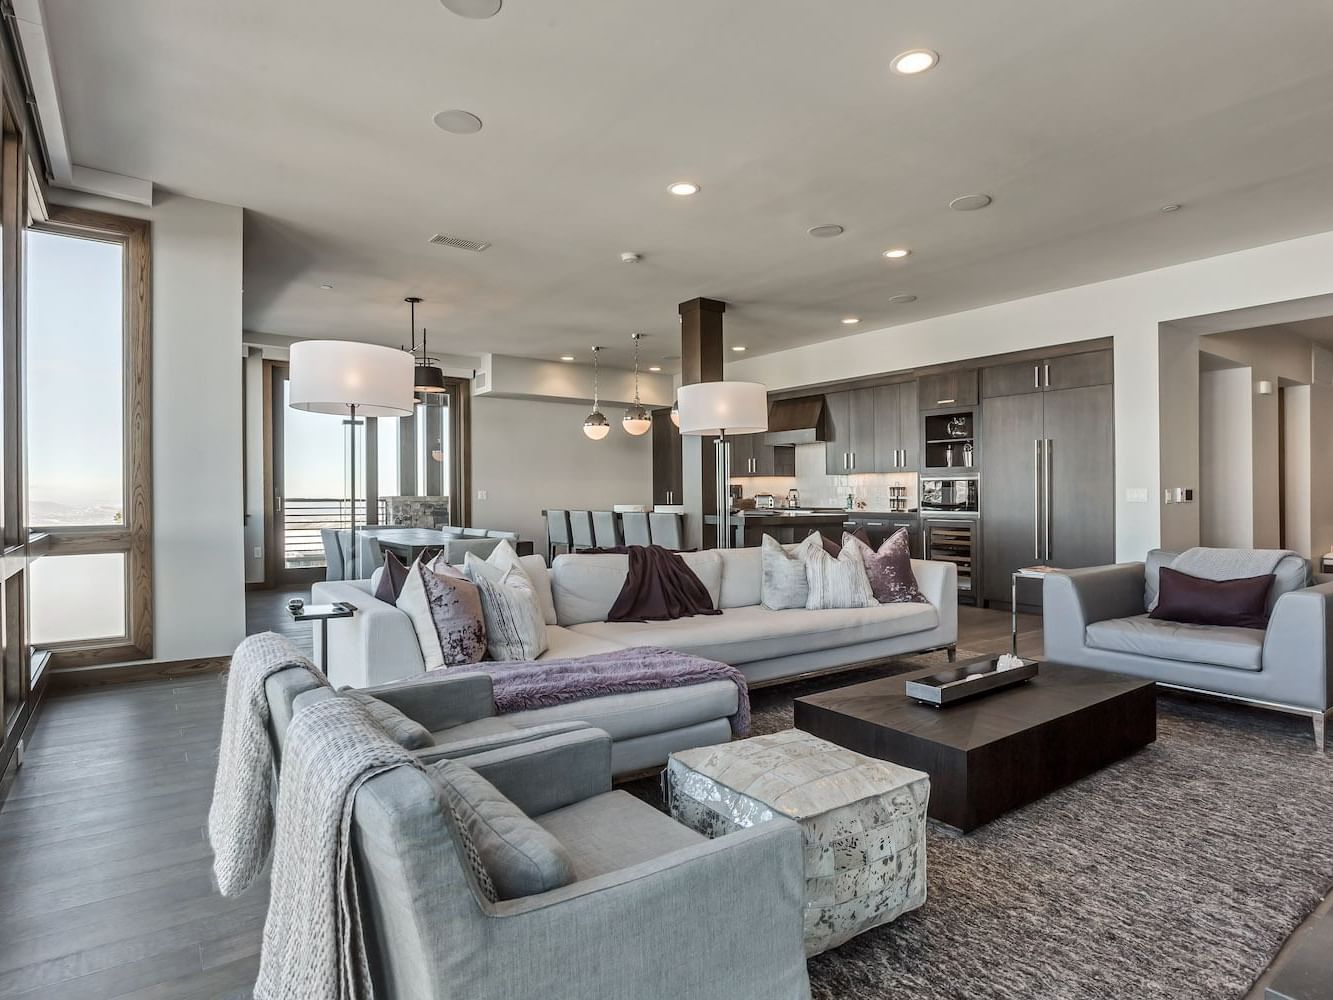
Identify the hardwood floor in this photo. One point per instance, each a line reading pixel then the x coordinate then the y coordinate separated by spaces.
pixel 106 885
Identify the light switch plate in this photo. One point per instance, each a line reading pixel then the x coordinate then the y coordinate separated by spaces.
pixel 481 494
pixel 1136 496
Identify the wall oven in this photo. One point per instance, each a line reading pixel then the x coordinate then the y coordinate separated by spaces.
pixel 951 496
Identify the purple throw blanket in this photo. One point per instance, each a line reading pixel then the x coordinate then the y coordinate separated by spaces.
pixel 543 683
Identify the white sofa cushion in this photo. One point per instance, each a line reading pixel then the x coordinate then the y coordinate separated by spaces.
pixel 586 584
pixel 741 572
pixel 564 643
pixel 535 567
pixel 743 635
pixel 707 566
pixel 640 713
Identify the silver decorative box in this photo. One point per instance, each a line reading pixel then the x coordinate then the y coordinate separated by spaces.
pixel 968 680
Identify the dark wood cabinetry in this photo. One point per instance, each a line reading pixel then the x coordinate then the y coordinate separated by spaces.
pixel 668 467
pixel 951 388
pixel 751 456
pixel 1069 371
pixel 878 527
pixel 872 430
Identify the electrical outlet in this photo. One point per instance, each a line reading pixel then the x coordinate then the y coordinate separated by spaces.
pixel 257 552
pixel 1136 496
pixel 481 494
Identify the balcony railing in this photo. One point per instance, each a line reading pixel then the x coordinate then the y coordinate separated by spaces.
pixel 302 519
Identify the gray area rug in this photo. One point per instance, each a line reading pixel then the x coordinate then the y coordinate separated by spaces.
pixel 1177 872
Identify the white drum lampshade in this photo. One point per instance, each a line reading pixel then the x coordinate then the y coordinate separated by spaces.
pixel 708 409
pixel 332 376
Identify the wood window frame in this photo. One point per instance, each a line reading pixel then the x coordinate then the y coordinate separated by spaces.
pixel 134 537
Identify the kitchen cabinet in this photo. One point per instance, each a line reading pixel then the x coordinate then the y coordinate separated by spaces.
pixel 851 426
pixel 951 388
pixel 1069 371
pixel 751 456
pixel 896 430
pixel 878 527
pixel 1048 489
pixel 668 463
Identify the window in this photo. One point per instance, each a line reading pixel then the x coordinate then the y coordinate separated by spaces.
pixel 88 447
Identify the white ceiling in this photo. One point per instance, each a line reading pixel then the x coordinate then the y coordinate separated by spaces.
pixel 1081 119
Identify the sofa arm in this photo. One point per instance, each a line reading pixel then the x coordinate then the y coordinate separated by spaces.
pixel 441 700
pixel 681 909
pixel 1296 648
pixel 938 583
pixel 547 774
pixel 376 645
pixel 1074 599
pixel 460 749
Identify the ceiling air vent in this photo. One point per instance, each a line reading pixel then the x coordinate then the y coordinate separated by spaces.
pixel 476 246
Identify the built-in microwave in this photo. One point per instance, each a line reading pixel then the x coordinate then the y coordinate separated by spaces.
pixel 951 496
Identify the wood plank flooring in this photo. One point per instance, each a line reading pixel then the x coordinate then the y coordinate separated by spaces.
pixel 106 884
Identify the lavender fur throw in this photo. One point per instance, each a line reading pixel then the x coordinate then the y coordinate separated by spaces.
pixel 543 683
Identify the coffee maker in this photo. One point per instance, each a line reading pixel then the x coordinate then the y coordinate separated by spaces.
pixel 793 500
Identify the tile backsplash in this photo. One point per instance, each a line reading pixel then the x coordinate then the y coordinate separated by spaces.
pixel 819 489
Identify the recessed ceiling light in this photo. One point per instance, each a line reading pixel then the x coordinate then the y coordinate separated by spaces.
pixel 899 300
pixel 914 61
pixel 326 287
pixel 473 8
pixel 458 122
pixel 1170 208
pixel 683 189
pixel 566 357
pixel 897 253
pixel 970 202
pixel 738 349
pixel 825 232
pixel 850 320
pixel 654 368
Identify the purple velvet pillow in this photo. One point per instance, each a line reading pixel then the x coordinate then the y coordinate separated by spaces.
pixel 889 569
pixel 1239 603
pixel 391 580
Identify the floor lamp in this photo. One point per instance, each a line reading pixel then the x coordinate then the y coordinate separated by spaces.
pixel 352 380
pixel 716 409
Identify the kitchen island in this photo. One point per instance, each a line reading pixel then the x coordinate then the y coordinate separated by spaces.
pixel 785 525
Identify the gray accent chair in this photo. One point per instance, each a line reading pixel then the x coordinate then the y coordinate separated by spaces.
pixel 656 911
pixel 1098 618
pixel 458 711
pixel 635 527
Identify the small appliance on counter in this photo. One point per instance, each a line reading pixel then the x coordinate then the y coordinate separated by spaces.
pixel 793 499
pixel 765 501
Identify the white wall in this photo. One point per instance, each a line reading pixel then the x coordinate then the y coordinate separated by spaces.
pixel 528 455
pixel 198 570
pixel 1128 309
pixel 1226 442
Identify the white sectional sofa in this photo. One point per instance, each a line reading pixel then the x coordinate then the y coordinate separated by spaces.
pixel 379 644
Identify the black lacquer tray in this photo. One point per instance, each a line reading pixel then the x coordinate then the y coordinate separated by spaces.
pixel 968 680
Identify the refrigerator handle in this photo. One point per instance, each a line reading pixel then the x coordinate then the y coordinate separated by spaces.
pixel 1036 498
pixel 1046 503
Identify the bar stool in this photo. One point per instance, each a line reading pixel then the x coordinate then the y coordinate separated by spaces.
pixel 580 530
pixel 635 528
pixel 557 533
pixel 604 529
pixel 667 530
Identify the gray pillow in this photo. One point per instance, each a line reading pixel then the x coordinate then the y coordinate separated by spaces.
pixel 515 622
pixel 782 582
pixel 521 858
pixel 407 733
pixel 837 583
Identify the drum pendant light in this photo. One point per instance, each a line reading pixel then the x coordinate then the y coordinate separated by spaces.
pixel 637 419
pixel 595 425
pixel 427 376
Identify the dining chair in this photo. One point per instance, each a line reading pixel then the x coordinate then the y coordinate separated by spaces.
pixel 333 553
pixel 604 529
pixel 635 528
pixel 667 530
pixel 557 534
pixel 580 530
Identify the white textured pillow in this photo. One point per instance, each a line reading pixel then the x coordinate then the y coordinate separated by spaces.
pixel 833 583
pixel 782 582
pixel 515 624
pixel 504 556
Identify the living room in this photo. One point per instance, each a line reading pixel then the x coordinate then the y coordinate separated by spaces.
pixel 758 500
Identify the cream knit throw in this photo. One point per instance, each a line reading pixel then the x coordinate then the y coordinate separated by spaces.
pixel 240 820
pixel 313 946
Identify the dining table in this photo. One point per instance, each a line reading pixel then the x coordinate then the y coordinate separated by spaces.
pixel 407 542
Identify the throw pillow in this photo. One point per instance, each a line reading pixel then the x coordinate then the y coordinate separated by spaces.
pixel 837 583
pixel 782 581
pixel 890 569
pixel 407 733
pixel 1240 603
pixel 391 579
pixel 446 611
pixel 505 556
pixel 515 624
pixel 518 856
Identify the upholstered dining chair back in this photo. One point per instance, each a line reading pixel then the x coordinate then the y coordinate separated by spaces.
pixel 580 529
pixel 604 529
pixel 635 527
pixel 557 533
pixel 667 530
pixel 333 553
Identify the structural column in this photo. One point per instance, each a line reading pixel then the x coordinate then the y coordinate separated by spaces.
pixel 701 352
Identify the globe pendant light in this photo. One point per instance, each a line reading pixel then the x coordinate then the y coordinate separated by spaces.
pixel 637 420
pixel 427 376
pixel 596 426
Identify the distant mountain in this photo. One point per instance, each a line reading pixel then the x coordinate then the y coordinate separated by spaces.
pixel 43 513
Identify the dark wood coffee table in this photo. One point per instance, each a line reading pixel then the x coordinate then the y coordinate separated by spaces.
pixel 998 751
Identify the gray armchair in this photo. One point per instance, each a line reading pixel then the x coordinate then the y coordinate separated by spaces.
pixel 656 912
pixel 1097 617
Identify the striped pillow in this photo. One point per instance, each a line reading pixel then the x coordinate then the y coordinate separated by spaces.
pixel 837 583
pixel 515 624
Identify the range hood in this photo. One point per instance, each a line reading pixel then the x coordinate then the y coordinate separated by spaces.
pixel 797 421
